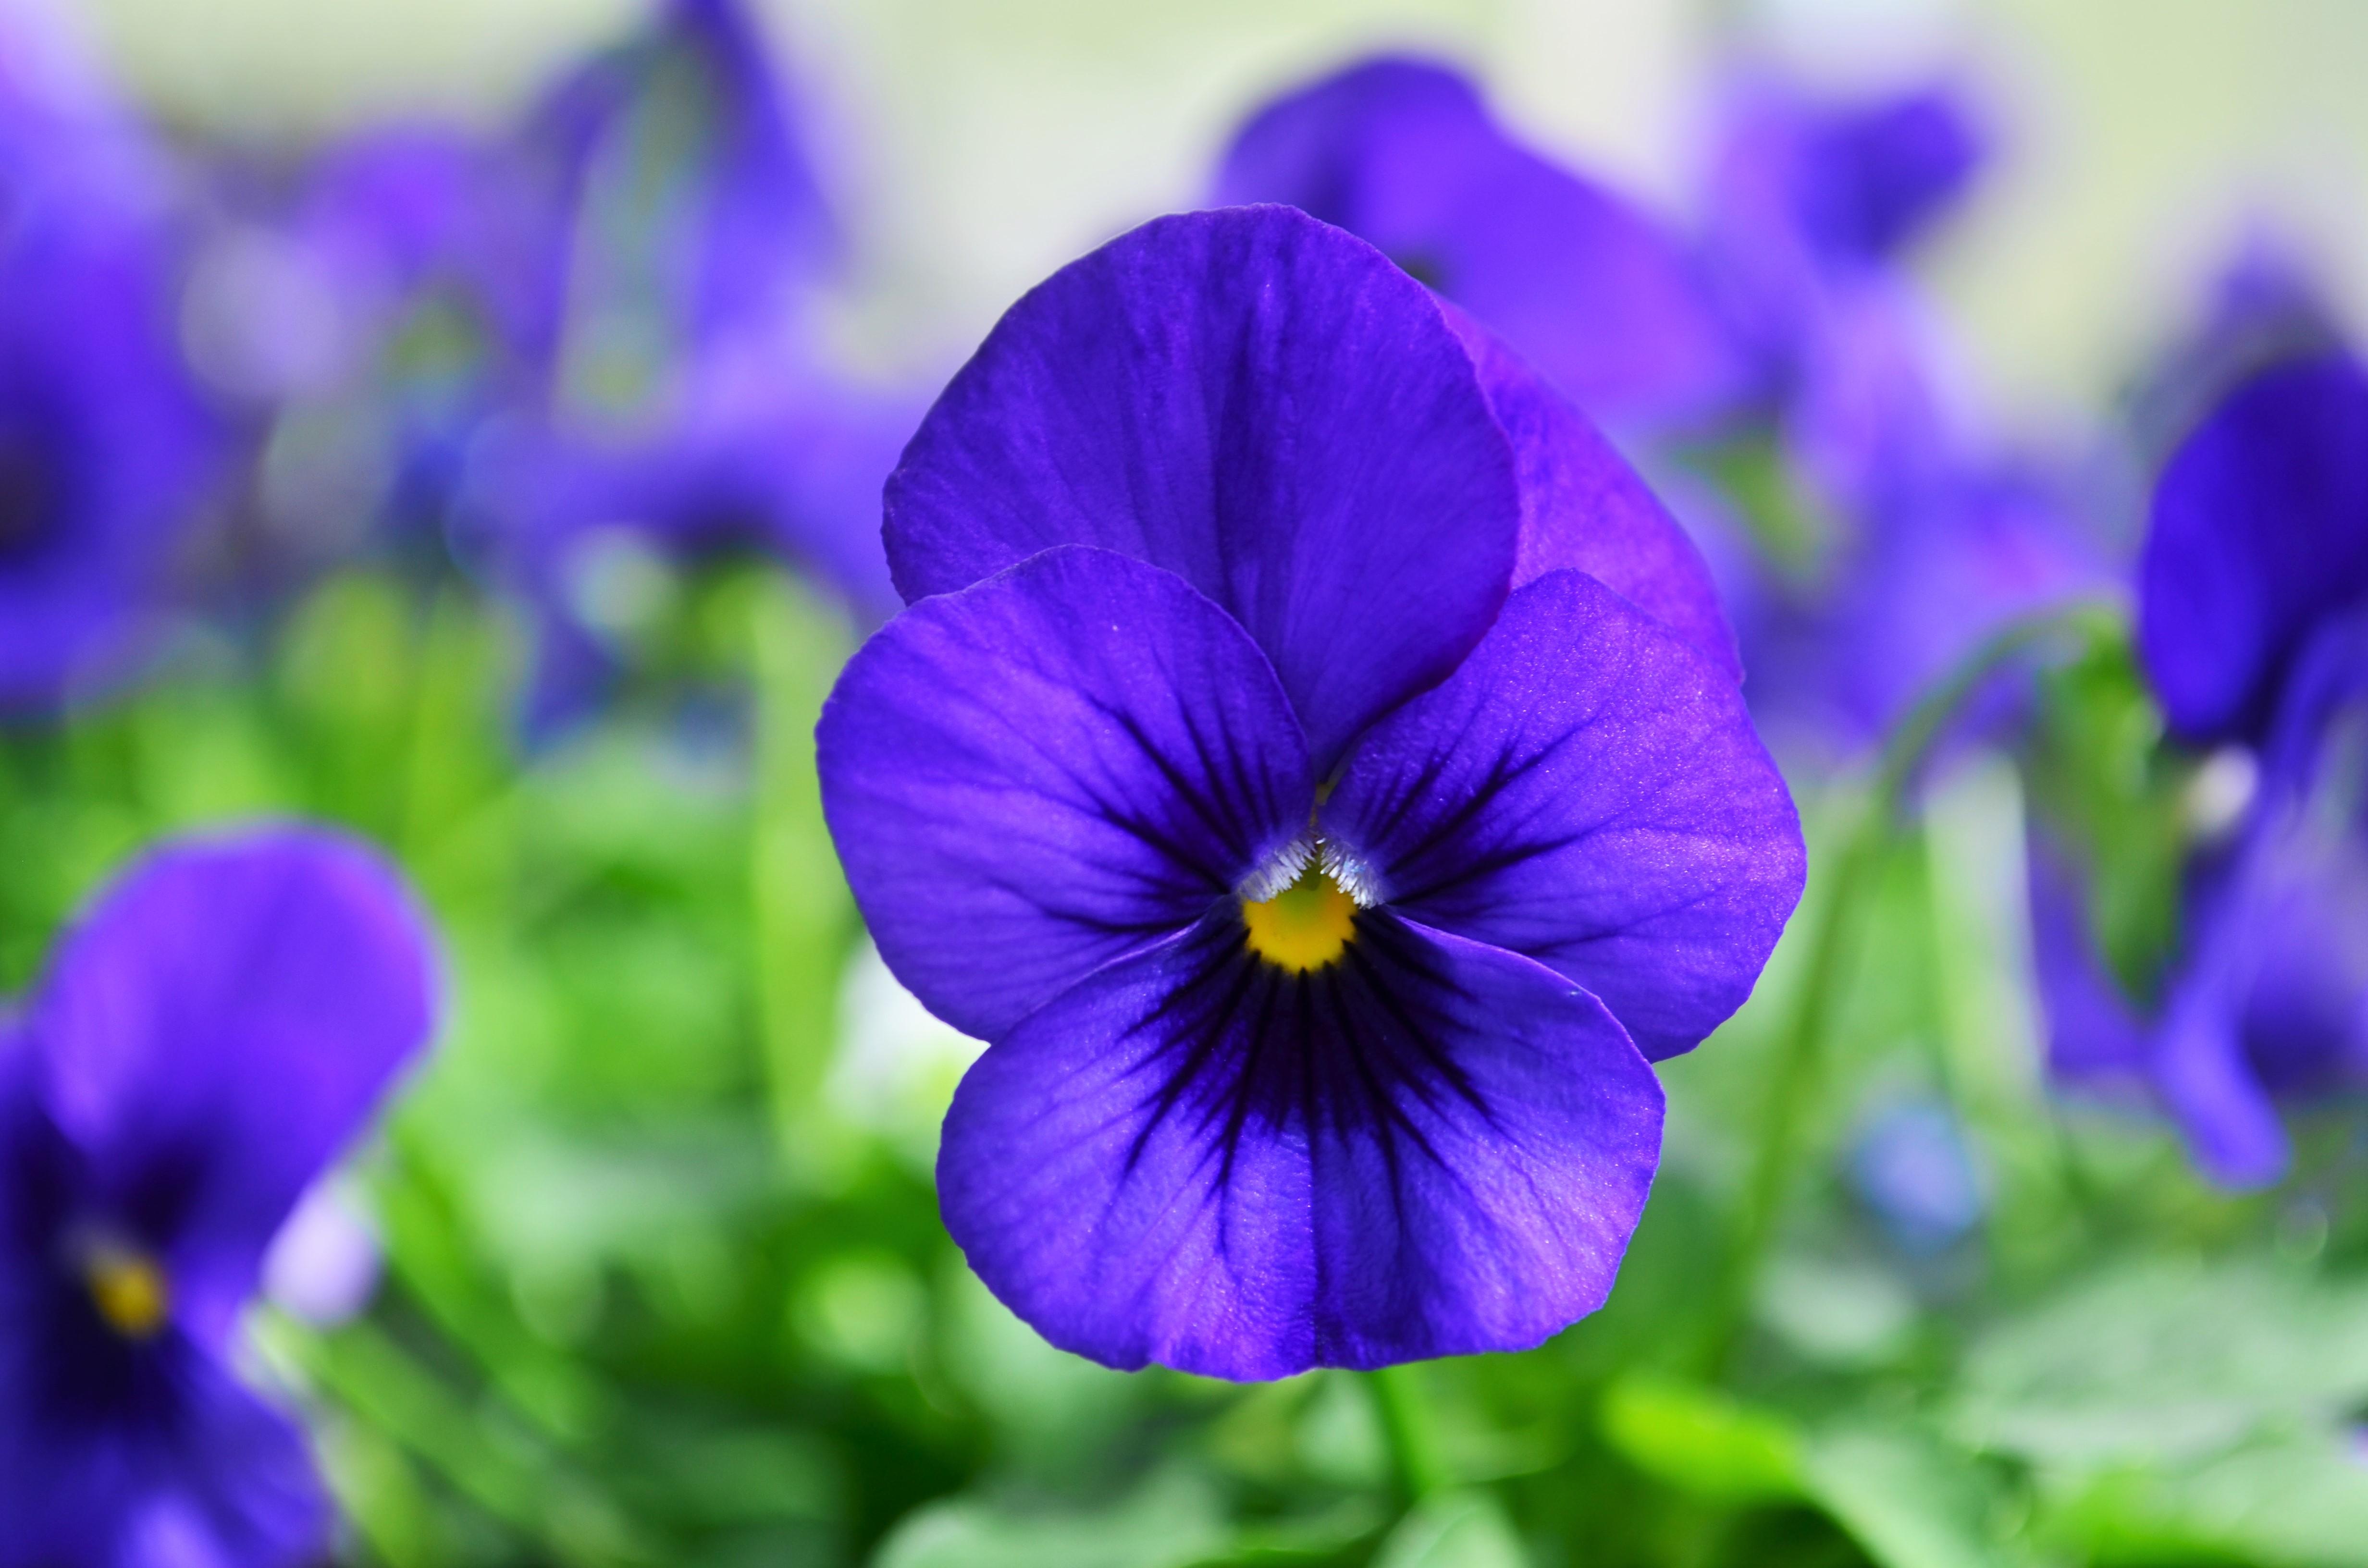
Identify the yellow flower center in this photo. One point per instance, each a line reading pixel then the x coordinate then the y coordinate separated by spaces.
pixel 1304 926
pixel 129 1290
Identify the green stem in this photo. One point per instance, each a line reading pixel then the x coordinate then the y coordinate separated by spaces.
pixel 1798 1056
pixel 1412 1434
pixel 801 916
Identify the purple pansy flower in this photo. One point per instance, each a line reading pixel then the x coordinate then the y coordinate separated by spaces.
pixel 206 1039
pixel 1590 289
pixel 1323 852
pixel 2253 628
pixel 102 462
pixel 2264 1005
pixel 1851 184
pixel 2259 532
pixel 103 447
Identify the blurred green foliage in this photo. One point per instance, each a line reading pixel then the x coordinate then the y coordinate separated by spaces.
pixel 660 1293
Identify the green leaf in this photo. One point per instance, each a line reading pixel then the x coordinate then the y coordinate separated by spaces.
pixel 1171 1521
pixel 1700 1441
pixel 1453 1529
pixel 1907 1501
pixel 2165 1359
pixel 1053 1411
pixel 2299 1502
pixel 804 916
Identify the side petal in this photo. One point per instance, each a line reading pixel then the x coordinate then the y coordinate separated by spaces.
pixel 1060 766
pixel 218 1028
pixel 1429 1148
pixel 1258 402
pixel 1589 791
pixel 2259 526
pixel 1584 509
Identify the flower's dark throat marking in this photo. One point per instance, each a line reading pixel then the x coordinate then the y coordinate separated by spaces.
pixel 1305 926
pixel 126 1287
pixel 24 495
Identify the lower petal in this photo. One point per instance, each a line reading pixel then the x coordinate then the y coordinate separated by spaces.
pixel 193 1471
pixel 1430 1147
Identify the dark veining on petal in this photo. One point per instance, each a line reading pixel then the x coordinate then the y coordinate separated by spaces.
pixel 1339 1051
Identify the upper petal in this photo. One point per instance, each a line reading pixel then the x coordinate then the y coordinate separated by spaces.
pixel 1588 286
pixel 1587 790
pixel 1263 406
pixel 1065 763
pixel 2259 526
pixel 1429 1148
pixel 1583 508
pixel 217 1029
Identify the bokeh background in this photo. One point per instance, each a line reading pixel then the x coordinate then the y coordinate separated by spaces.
pixel 644 1267
pixel 975 147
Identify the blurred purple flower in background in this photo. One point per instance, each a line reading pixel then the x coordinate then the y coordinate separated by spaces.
pixel 690 404
pixel 2267 307
pixel 1946 569
pixel 1809 208
pixel 105 453
pixel 1791 319
pixel 1600 296
pixel 364 312
pixel 689 207
pixel 1914 1168
pixel 2253 628
pixel 2265 1003
pixel 2260 534
pixel 1322 901
pixel 1808 195
pixel 311 272
pixel 597 327
pixel 1921 537
pixel 206 1039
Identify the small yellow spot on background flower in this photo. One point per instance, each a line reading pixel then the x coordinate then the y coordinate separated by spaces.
pixel 1304 926
pixel 129 1290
